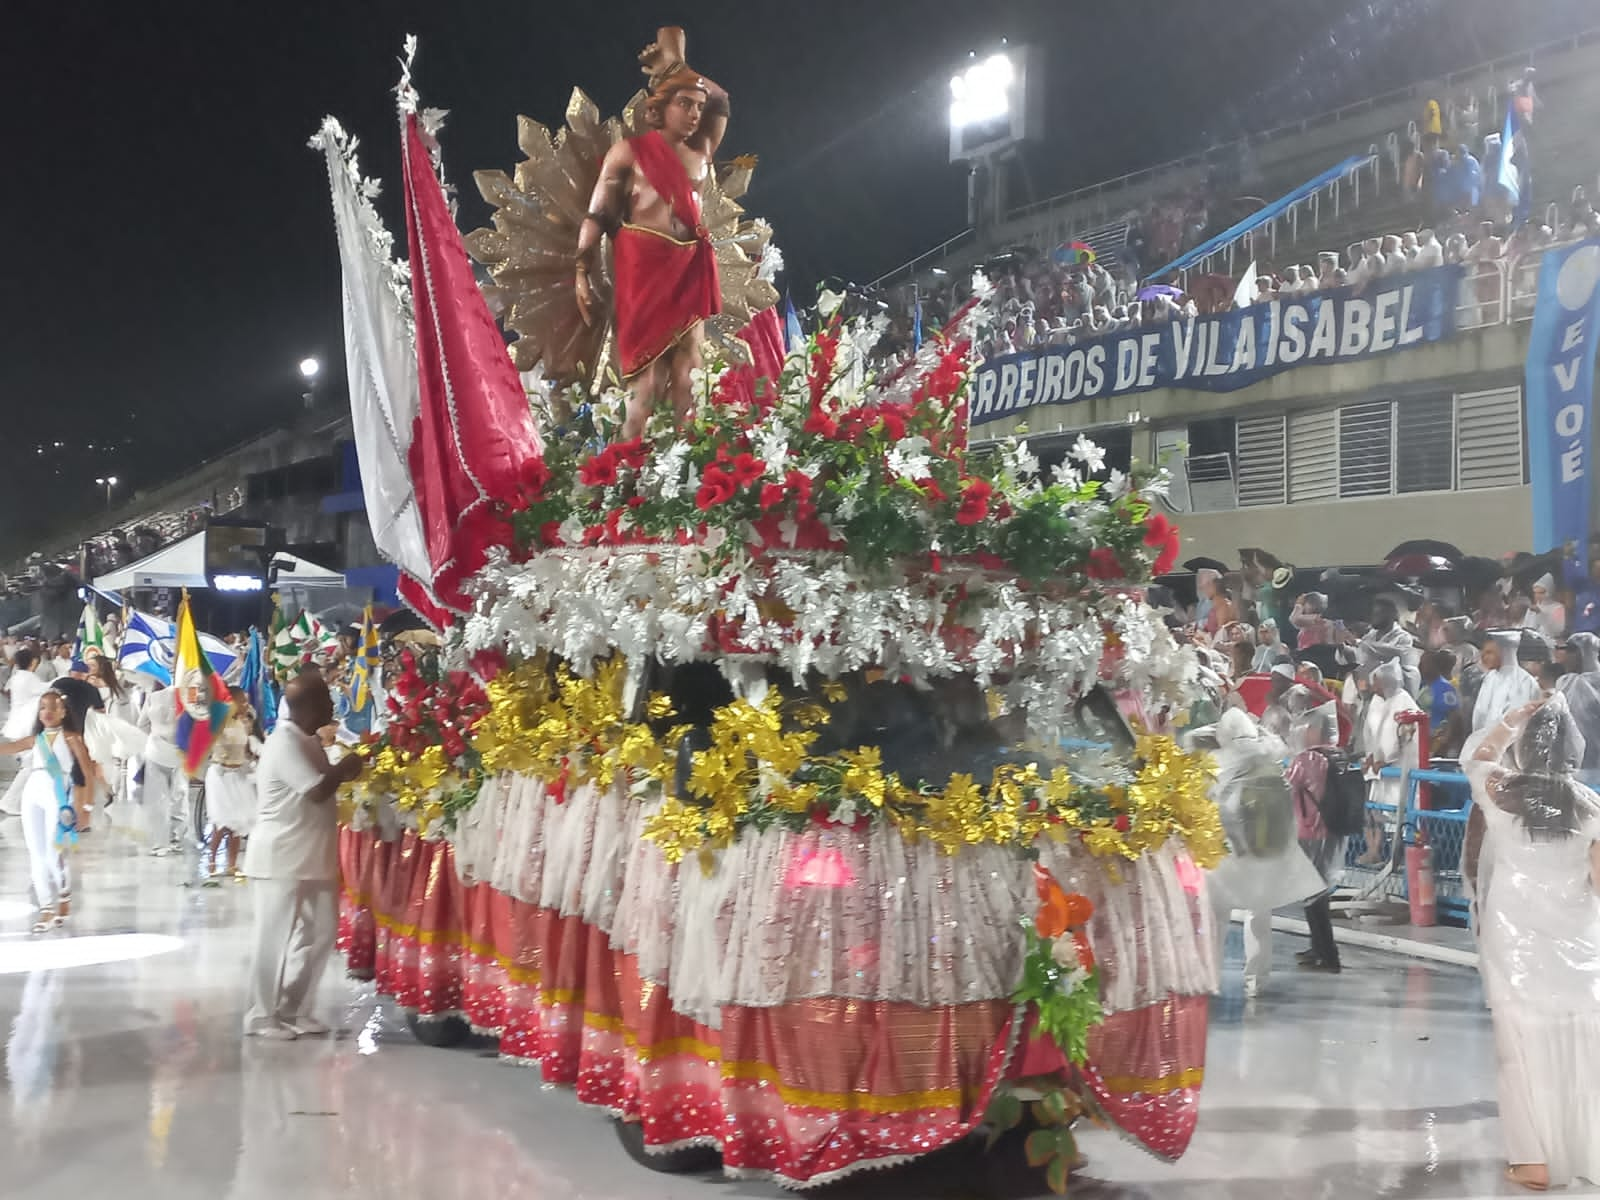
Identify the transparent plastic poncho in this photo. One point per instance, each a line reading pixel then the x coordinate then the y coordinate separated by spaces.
pixel 1538 910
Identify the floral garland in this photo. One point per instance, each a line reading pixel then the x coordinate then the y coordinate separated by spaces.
pixel 758 770
pixel 830 457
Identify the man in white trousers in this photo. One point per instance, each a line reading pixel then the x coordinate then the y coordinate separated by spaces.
pixel 293 863
pixel 164 794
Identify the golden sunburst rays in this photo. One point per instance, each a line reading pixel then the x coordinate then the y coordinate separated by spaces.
pixel 531 247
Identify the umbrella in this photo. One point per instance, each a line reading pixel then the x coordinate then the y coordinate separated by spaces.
pixel 1426 546
pixel 1157 290
pixel 1196 564
pixel 1415 565
pixel 1073 254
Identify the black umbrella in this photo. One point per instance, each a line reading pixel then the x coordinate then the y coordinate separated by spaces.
pixel 1426 546
pixel 1199 564
pixel 401 620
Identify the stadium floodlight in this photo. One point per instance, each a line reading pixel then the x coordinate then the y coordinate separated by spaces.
pixel 309 367
pixel 982 93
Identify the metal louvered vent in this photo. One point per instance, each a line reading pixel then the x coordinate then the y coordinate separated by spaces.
pixel 1489 439
pixel 1262 463
pixel 1366 449
pixel 1313 456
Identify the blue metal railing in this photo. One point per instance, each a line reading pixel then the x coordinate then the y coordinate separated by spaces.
pixel 1443 826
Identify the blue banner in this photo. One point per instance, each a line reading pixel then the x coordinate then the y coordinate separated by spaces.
pixel 1228 351
pixel 1560 387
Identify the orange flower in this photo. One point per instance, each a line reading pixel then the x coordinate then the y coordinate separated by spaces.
pixel 1079 910
pixel 1051 919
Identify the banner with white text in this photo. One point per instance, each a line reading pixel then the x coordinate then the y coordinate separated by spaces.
pixel 1560 389
pixel 1228 351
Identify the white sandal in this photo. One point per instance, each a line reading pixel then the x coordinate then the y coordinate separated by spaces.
pixel 47 920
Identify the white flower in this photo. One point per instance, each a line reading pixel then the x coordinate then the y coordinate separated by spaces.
pixel 1065 474
pixel 981 287
pixel 845 813
pixel 828 303
pixel 1091 456
pixel 772 448
pixel 1116 484
pixel 908 458
pixel 571 531
pixel 1023 463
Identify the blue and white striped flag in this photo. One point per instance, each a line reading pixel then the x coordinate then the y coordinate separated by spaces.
pixel 149 645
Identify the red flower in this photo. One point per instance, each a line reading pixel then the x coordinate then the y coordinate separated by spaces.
pixel 975 495
pixel 716 487
pixel 1156 530
pixel 550 533
pixel 488 663
pixel 535 477
pixel 631 453
pixel 821 424
pixel 1122 823
pixel 1103 564
pixel 635 501
pixel 747 468
pixel 894 424
pixel 930 487
pixel 772 495
pixel 1169 554
pixel 599 471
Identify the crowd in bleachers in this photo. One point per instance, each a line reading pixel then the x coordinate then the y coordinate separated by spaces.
pixel 122 544
pixel 1454 205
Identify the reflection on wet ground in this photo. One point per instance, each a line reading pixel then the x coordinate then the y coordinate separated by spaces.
pixel 125 1071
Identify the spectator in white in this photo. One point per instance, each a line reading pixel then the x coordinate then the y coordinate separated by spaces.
pixel 1429 252
pixel 1327 265
pixel 1387 641
pixel 1270 650
pixel 1457 635
pixel 1456 248
pixel 1265 867
pixel 1506 686
pixel 293 862
pixel 1546 615
pixel 1581 688
pixel 1386 742
pixel 1408 247
pixel 1266 289
pixel 1394 260
pixel 164 794
pixel 1368 264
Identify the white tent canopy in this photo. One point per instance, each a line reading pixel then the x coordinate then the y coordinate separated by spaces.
pixel 183 564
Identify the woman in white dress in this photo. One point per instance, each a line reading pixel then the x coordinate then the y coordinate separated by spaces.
pixel 52 801
pixel 1533 860
pixel 231 784
pixel 23 690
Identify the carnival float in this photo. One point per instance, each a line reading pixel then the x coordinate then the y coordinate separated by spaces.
pixel 795 783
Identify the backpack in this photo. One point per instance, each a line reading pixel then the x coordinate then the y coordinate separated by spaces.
pixel 1344 800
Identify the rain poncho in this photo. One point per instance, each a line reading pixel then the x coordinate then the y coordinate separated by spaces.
pixel 1506 687
pixel 1539 936
pixel 1381 734
pixel 1265 867
pixel 1581 689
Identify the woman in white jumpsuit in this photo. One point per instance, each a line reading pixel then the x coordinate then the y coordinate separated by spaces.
pixel 52 800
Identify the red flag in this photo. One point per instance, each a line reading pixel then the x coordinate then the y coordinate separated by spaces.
pixel 474 437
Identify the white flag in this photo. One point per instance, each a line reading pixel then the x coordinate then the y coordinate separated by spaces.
pixel 1245 294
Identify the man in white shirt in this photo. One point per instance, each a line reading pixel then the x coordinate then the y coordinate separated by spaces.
pixel 293 862
pixel 164 794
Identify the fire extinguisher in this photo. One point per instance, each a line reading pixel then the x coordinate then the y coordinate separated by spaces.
pixel 1420 884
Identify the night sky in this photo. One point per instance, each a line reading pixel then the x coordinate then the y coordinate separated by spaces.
pixel 170 249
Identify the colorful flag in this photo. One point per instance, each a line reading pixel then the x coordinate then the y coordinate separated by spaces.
pixel 253 674
pixel 203 699
pixel 365 664
pixel 91 635
pixel 794 337
pixel 148 647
